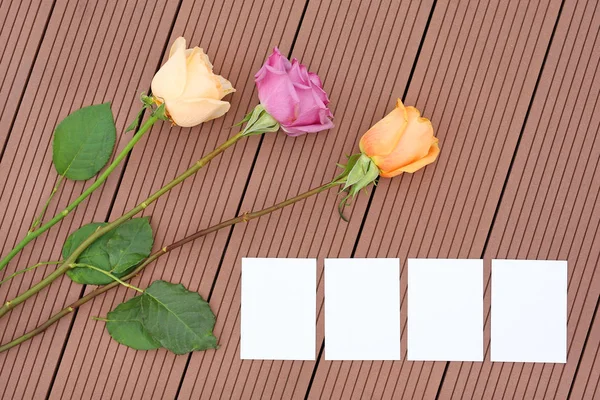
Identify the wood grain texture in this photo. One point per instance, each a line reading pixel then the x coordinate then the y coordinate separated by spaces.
pixel 511 88
pixel 22 27
pixel 550 211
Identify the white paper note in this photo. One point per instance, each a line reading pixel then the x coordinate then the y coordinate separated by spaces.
pixel 529 311
pixel 278 304
pixel 445 310
pixel 362 309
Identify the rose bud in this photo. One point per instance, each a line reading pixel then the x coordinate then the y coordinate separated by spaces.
pixel 186 83
pixel 403 141
pixel 293 96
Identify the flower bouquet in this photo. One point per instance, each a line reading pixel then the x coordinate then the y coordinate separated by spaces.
pixel 186 92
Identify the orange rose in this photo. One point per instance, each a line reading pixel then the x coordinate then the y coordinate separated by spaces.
pixel 403 141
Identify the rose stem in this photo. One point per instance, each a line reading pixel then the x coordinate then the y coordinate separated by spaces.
pixel 32 234
pixel 111 276
pixel 98 291
pixel 9 305
pixel 38 220
pixel 22 271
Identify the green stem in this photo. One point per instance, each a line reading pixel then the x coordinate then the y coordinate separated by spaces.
pixel 111 276
pixel 22 271
pixel 57 218
pixel 40 216
pixel 9 305
pixel 98 291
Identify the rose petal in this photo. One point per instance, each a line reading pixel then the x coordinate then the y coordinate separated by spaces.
pixel 301 130
pixel 314 78
pixel 414 144
pixel 277 94
pixel 431 156
pixel 169 81
pixel 278 61
pixel 200 82
pixel 200 58
pixel 383 137
pixel 318 120
pixel 178 44
pixel 191 112
pixel 206 60
pixel 225 86
pixel 321 93
pixel 312 110
pixel 298 74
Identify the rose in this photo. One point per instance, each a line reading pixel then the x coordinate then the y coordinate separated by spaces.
pixel 191 92
pixel 403 141
pixel 293 96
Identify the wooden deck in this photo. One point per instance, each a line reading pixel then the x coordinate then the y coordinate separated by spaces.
pixel 512 91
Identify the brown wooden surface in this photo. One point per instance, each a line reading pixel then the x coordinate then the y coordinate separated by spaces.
pixel 512 91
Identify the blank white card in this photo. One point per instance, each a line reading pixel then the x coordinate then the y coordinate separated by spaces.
pixel 529 311
pixel 362 309
pixel 445 310
pixel 278 309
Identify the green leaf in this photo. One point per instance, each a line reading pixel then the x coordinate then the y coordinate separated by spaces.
pixel 125 326
pixel 129 244
pixel 179 319
pixel 117 251
pixel 84 142
pixel 77 237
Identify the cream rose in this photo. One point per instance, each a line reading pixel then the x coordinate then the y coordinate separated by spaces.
pixel 186 83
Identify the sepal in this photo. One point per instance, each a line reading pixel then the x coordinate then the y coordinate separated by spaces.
pixel 359 172
pixel 259 121
pixel 161 113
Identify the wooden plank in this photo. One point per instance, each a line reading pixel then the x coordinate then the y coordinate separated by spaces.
pixel 364 55
pixel 587 378
pixel 551 210
pixel 22 25
pixel 238 39
pixel 474 78
pixel 481 60
pixel 92 52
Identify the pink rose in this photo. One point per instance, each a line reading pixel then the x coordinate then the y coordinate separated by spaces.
pixel 293 96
